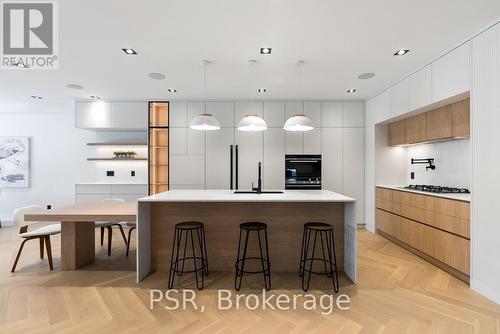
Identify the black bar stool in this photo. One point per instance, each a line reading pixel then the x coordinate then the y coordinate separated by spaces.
pixel 329 259
pixel 200 262
pixel 242 258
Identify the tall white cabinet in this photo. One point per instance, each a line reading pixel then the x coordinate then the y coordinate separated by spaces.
pixel 338 136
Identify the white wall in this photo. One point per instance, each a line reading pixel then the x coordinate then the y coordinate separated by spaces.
pixel 452 160
pixel 58 156
pixel 485 234
pixel 57 161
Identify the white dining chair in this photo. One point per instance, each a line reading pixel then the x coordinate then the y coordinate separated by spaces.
pixel 109 225
pixel 41 233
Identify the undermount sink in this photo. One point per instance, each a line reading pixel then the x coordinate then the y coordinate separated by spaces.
pixel 254 192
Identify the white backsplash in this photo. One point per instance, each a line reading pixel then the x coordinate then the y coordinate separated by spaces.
pixel 452 160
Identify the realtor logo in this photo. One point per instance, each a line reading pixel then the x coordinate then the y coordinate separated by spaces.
pixel 29 34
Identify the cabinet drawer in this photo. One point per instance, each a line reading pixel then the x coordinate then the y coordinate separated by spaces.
pixel 139 189
pixel 93 189
pixel 445 247
pixel 384 199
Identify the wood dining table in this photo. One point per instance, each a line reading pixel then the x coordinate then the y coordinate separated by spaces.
pixel 78 227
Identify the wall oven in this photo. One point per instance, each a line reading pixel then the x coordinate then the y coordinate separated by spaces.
pixel 303 171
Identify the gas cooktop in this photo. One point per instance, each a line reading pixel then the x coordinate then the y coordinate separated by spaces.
pixel 437 189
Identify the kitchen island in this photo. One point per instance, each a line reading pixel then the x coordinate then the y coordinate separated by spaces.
pixel 222 211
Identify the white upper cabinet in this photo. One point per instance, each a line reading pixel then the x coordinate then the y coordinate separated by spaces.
pixel 129 116
pixel 294 141
pixel 420 89
pixel 312 141
pixel 331 174
pixel 353 169
pixel 111 116
pixel 451 73
pixel 399 98
pixel 188 170
pixel 353 114
pixel 93 115
pixel 274 159
pixel 177 115
pixel 223 111
pixel 177 141
pixel 250 153
pixel 274 114
pixel 218 160
pixel 313 111
pixel 331 113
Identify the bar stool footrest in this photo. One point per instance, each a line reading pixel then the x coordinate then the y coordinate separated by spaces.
pixel 266 263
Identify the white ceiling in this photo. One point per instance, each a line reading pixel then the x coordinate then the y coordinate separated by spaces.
pixel 338 40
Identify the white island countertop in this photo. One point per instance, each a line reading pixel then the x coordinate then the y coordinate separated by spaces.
pixel 229 196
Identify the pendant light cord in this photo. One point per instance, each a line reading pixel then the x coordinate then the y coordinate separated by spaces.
pixel 252 79
pixel 205 83
pixel 299 63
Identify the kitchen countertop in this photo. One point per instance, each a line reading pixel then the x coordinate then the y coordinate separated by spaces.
pixel 457 197
pixel 229 196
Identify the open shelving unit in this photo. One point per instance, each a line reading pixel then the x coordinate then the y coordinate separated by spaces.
pixel 117 159
pixel 158 147
pixel 117 144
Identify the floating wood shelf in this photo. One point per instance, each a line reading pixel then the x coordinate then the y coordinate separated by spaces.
pixel 117 159
pixel 117 144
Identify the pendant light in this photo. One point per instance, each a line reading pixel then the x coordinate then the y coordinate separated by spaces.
pixel 252 122
pixel 205 121
pixel 298 122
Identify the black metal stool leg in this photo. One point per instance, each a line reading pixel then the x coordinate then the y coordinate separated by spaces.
pixel 333 262
pixel 242 268
pixel 264 262
pixel 302 251
pixel 268 286
pixel 306 250
pixel 306 287
pixel 171 273
pixel 204 249
pixel 324 244
pixel 195 266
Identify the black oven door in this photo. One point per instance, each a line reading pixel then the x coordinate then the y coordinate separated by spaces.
pixel 303 172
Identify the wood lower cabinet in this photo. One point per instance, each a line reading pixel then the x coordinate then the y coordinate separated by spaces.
pixel 447 122
pixel 436 229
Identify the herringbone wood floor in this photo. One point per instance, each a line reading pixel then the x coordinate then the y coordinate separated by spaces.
pixel 397 293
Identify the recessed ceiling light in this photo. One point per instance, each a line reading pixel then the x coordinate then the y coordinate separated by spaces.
pixel 36 97
pixel 262 90
pixel 129 51
pixel 74 86
pixel 351 91
pixel 95 97
pixel 401 52
pixel 157 76
pixel 265 51
pixel 172 90
pixel 366 76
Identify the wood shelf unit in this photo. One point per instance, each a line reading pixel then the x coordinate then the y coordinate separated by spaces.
pixel 117 144
pixel 158 147
pixel 117 159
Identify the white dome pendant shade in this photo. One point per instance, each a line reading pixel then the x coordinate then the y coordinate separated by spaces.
pixel 205 122
pixel 298 123
pixel 252 123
